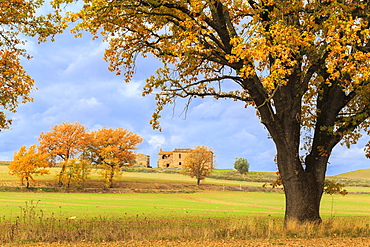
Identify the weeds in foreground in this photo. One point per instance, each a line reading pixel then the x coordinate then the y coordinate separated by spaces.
pixel 32 226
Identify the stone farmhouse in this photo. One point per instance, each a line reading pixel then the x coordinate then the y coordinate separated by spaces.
pixel 166 159
pixel 175 158
pixel 143 160
pixel 172 159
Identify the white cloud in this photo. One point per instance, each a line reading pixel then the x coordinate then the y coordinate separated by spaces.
pixel 178 141
pixel 342 152
pixel 131 90
pixel 208 109
pixel 83 58
pixel 90 102
pixel 244 136
pixel 156 141
pixel 30 45
pixel 343 159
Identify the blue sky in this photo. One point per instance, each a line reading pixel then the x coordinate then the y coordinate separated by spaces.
pixel 75 85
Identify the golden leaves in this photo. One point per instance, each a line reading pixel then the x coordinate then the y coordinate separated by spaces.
pixel 111 150
pixel 199 163
pixel 331 187
pixel 270 54
pixel 28 163
pixel 14 83
pixel 64 141
pixel 76 150
pixel 322 151
pixel 303 47
pixel 19 17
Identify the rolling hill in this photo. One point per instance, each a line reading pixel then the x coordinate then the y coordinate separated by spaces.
pixel 363 173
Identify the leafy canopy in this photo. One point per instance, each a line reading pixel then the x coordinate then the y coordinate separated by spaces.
pixel 241 165
pixel 62 143
pixel 18 19
pixel 65 141
pixel 28 163
pixel 278 54
pixel 199 163
pixel 111 150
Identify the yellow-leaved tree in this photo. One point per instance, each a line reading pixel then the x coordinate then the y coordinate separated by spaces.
pixel 76 173
pixel 199 163
pixel 303 65
pixel 18 18
pixel 111 150
pixel 62 143
pixel 28 163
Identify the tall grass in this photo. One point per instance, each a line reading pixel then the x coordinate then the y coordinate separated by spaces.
pixel 32 226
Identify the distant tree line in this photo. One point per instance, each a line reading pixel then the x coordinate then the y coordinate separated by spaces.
pixel 76 150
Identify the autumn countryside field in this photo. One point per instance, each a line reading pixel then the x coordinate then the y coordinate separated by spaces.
pixel 167 209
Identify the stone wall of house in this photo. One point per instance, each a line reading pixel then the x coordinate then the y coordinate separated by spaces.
pixel 143 160
pixel 172 159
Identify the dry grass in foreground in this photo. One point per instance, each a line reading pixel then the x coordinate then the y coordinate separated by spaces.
pixel 33 229
pixel 322 242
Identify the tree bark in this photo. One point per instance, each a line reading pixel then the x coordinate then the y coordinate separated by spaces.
pixel 111 176
pixel 302 181
pixel 61 173
pixel 303 191
pixel 27 183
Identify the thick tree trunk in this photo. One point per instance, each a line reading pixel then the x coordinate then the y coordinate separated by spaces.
pixel 302 182
pixel 303 191
pixel 281 113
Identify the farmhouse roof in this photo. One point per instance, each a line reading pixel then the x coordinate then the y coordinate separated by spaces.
pixel 161 152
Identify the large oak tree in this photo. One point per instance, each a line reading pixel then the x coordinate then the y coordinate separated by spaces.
pixel 303 65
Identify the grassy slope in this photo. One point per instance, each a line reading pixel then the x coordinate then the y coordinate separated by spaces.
pixel 363 173
pixel 360 178
pixel 355 181
pixel 138 177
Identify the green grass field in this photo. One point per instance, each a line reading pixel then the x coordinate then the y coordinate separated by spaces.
pixel 30 218
pixel 33 216
pixel 206 204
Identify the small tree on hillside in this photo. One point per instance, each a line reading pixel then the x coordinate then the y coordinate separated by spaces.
pixel 199 163
pixel 241 165
pixel 28 163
